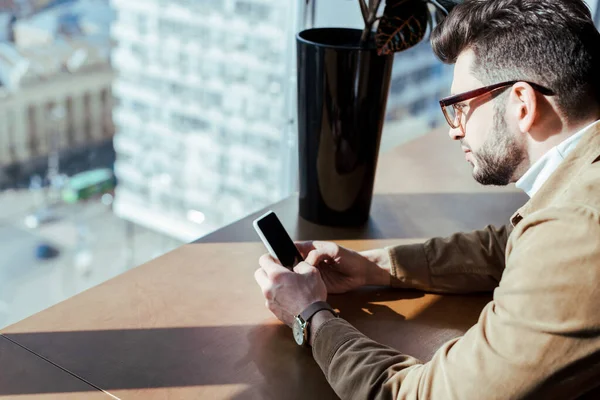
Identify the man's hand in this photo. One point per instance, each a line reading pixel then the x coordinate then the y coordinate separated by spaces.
pixel 289 293
pixel 342 269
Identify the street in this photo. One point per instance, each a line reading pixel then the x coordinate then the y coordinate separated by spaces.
pixel 94 246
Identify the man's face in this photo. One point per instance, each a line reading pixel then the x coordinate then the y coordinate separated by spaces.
pixel 489 143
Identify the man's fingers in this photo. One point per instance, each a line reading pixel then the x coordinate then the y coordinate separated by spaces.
pixel 304 268
pixel 304 248
pixel 271 266
pixel 262 279
pixel 315 258
pixel 323 251
pixel 265 283
pixel 329 248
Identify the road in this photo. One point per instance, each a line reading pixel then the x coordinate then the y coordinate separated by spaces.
pixel 94 246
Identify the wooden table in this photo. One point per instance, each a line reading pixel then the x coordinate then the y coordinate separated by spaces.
pixel 26 375
pixel 192 323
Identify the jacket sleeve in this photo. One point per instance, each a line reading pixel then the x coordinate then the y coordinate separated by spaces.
pixel 462 263
pixel 539 338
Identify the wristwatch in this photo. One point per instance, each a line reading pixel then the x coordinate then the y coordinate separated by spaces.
pixel 302 321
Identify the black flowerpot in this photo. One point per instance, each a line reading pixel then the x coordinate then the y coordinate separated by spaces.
pixel 342 96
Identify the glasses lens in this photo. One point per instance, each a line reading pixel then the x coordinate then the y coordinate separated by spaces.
pixel 451 116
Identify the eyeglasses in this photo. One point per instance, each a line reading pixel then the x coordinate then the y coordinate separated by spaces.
pixel 453 111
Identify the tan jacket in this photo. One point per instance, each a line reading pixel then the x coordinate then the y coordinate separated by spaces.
pixel 540 336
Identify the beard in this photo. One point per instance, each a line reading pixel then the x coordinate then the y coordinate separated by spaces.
pixel 500 156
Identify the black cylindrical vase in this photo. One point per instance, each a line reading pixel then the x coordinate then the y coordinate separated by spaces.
pixel 342 96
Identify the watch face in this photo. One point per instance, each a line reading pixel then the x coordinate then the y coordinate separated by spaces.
pixel 298 330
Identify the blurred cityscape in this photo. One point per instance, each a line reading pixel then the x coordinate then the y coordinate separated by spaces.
pixel 129 127
pixel 56 134
pixel 201 110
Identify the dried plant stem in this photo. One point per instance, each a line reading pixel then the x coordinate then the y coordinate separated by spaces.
pixel 372 17
pixel 364 10
pixel 439 7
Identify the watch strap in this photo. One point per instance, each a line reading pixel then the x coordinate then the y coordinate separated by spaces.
pixel 314 308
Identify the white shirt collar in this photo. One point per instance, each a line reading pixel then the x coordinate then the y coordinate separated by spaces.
pixel 539 172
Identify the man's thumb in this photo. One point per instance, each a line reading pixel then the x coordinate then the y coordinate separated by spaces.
pixel 329 248
pixel 314 257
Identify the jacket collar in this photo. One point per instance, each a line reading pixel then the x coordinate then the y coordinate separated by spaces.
pixel 587 152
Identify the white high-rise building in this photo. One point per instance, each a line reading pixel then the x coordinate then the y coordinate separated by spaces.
pixel 201 116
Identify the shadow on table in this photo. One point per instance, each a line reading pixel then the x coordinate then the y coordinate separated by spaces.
pixel 444 319
pixel 441 319
pixel 399 216
pixel 264 357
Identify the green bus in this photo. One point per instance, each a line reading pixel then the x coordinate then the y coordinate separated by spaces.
pixel 88 184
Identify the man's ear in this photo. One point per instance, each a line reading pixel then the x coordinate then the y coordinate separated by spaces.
pixel 524 106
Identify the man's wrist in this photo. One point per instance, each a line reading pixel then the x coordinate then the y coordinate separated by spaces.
pixel 380 274
pixel 316 322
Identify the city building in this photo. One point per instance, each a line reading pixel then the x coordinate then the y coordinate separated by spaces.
pixel 25 8
pixel 60 93
pixel 6 19
pixel 55 80
pixel 66 18
pixel 12 11
pixel 201 113
pixel 419 81
pixel 595 11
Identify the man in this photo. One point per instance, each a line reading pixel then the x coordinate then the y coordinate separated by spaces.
pixel 526 110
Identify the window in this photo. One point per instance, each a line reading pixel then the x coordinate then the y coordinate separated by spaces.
pixel 33 128
pixel 140 109
pixel 106 114
pixel 10 133
pixel 195 101
pixel 253 11
pixel 187 124
pixel 70 116
pixel 139 53
pixel 142 24
pixel 212 99
pixel 52 120
pixel 184 63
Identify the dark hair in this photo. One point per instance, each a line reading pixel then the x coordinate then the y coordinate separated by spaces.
pixel 551 42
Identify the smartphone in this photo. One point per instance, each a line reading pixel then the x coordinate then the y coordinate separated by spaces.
pixel 277 241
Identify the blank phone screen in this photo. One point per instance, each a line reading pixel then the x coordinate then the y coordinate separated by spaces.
pixel 280 241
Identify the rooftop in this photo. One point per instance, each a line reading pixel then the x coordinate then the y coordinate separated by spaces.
pixel 66 36
pixel 21 67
